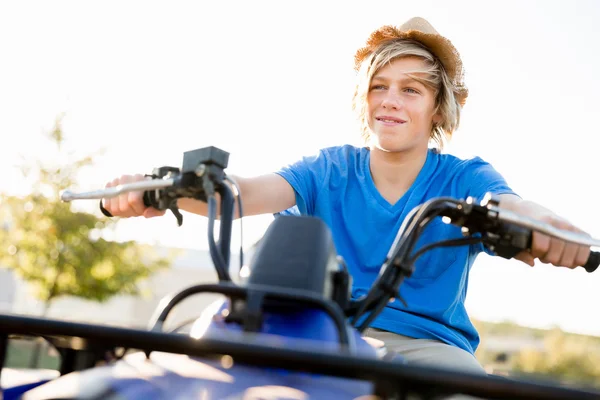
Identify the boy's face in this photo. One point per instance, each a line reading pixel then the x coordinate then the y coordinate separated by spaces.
pixel 400 109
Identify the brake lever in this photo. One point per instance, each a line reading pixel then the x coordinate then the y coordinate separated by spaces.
pixel 177 214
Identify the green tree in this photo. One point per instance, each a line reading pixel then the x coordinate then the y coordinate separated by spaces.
pixel 62 252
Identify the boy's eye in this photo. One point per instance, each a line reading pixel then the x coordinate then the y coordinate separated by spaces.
pixel 411 90
pixel 378 87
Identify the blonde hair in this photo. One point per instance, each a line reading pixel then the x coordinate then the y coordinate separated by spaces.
pixel 446 104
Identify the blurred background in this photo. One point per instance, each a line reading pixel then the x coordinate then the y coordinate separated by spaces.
pixel 90 91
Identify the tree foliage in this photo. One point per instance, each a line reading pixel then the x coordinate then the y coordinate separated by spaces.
pixel 63 252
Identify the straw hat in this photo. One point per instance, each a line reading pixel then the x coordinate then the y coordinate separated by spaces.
pixel 418 29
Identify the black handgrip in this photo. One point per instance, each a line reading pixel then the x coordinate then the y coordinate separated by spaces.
pixel 150 200
pixel 146 198
pixel 592 262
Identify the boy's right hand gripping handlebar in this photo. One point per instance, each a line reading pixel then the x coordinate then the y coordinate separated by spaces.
pixel 516 234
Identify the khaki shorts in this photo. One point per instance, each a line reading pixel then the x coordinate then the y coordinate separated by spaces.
pixel 427 352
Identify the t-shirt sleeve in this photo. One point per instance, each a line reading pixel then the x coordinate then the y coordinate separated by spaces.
pixel 306 176
pixel 480 177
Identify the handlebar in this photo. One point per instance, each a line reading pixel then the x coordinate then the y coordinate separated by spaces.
pixel 520 239
pixel 202 175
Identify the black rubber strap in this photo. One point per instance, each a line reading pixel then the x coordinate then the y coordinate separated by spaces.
pixel 104 210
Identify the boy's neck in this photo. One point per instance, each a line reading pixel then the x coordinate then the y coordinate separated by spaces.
pixel 394 172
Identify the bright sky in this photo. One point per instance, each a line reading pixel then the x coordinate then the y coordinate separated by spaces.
pixel 270 82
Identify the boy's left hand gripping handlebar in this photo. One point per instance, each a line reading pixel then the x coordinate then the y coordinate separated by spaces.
pixel 146 186
pixel 146 199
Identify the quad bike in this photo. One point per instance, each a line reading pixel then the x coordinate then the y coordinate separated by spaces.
pixel 292 330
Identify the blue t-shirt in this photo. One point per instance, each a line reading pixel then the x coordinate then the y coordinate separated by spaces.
pixel 336 186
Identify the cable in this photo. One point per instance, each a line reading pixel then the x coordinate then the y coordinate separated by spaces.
pixel 238 195
pixel 417 222
pixel 378 308
pixel 409 232
pixel 445 243
pixel 214 251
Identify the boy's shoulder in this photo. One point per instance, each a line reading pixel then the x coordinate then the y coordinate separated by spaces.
pixel 460 162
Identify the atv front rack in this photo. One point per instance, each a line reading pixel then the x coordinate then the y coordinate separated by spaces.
pixel 82 345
